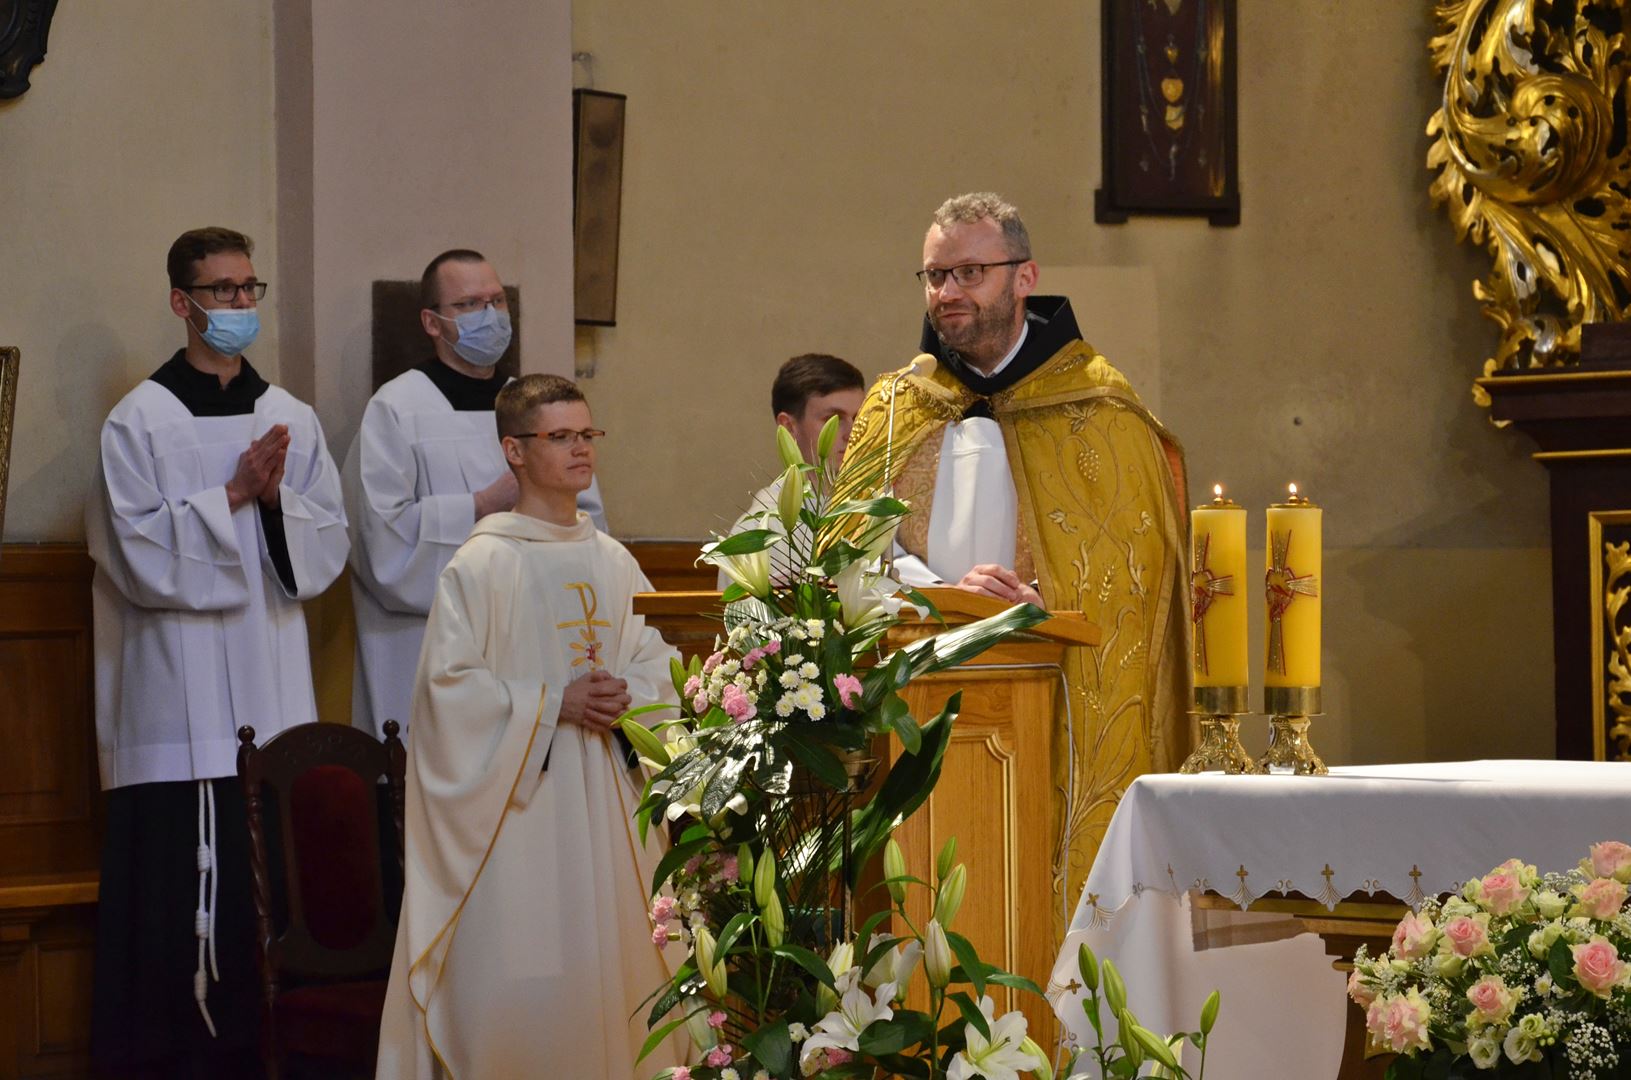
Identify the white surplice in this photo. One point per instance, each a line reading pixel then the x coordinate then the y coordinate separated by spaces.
pixel 524 947
pixel 410 482
pixel 195 633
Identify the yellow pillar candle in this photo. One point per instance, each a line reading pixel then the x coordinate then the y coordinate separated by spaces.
pixel 1217 592
pixel 1292 589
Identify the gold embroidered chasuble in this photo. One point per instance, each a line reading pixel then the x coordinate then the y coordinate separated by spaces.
pixel 1102 530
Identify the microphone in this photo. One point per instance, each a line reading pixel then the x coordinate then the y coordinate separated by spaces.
pixel 923 364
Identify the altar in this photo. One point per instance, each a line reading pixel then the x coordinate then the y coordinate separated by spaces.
pixel 1250 884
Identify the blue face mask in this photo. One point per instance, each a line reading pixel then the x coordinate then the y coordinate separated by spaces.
pixel 230 330
pixel 483 335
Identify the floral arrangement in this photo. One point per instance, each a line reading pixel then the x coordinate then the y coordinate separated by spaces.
pixel 1520 974
pixel 772 809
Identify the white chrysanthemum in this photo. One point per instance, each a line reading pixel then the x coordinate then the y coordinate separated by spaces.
pixel 816 711
pixel 807 695
pixel 795 660
pixel 761 678
pixel 729 668
pixel 815 627
pixel 809 671
pixel 743 680
pixel 789 679
pixel 785 706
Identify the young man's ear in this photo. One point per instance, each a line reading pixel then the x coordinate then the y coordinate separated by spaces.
pixel 788 421
pixel 512 451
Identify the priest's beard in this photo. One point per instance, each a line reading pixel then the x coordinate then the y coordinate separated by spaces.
pixel 987 335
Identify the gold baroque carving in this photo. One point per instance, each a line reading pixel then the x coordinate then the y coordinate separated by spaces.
pixel 1527 166
pixel 1617 691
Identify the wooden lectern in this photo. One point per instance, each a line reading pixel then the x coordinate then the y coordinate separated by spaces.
pixel 996 784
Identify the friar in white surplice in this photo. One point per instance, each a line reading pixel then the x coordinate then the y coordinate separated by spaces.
pixel 424 467
pixel 215 511
pixel 524 947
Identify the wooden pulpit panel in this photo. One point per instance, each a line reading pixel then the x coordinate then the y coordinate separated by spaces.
pixel 995 796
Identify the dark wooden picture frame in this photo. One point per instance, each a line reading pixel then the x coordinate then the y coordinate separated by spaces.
pixel 24 27
pixel 10 363
pixel 597 203
pixel 1169 128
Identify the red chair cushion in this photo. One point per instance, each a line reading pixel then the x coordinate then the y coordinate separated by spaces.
pixel 332 812
pixel 337 1021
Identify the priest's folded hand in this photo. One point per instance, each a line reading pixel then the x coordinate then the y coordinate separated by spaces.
pixel 1001 583
pixel 594 701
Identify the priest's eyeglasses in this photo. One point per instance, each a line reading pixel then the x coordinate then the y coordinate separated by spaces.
pixel 966 276
pixel 225 291
pixel 564 436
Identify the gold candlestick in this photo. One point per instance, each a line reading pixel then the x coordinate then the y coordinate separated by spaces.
pixel 1290 710
pixel 1219 709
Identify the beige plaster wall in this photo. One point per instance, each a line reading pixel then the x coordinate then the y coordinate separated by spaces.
pixel 439 126
pixel 781 163
pixel 136 129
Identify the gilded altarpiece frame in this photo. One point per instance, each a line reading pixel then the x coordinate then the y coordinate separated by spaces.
pixel 1609 534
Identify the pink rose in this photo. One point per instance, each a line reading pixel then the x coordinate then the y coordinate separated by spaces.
pixel 738 705
pixel 1597 966
pixel 1400 1022
pixel 849 689
pixel 662 909
pixel 1612 859
pixel 1468 935
pixel 720 1056
pixel 692 686
pixel 716 1019
pixel 1359 991
pixel 1501 891
pixel 700 702
pixel 1492 999
pixel 1602 898
pixel 712 662
pixel 1414 937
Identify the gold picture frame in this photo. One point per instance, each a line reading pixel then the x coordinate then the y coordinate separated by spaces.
pixel 10 361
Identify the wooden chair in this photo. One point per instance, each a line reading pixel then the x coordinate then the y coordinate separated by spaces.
pixel 324 911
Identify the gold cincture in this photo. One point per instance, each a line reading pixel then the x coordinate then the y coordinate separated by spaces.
pixel 1521 145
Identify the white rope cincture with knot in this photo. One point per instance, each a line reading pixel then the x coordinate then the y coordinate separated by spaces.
pixel 204 917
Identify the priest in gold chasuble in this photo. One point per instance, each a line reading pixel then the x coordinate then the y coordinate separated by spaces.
pixel 1036 474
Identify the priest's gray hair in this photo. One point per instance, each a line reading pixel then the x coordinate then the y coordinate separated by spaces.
pixel 978 205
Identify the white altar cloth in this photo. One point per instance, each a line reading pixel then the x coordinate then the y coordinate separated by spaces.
pixel 1410 831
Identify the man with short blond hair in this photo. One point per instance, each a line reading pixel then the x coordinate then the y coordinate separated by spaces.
pixel 424 467
pixel 524 947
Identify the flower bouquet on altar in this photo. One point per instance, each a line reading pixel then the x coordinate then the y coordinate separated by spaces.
pixel 1521 975
pixel 774 807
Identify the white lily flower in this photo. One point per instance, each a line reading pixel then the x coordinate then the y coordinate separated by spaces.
pixel 895 966
pixel 1002 1057
pixel 856 1011
pixel 863 594
pixel 751 571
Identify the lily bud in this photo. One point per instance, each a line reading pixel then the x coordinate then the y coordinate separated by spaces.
pixel 788 447
pixel 936 954
pixel 764 879
pixel 1089 966
pixel 1128 1040
pixel 792 497
pixel 826 440
pixel 1115 991
pixel 1209 1013
pixel 894 866
pixel 703 950
pixel 839 961
pixel 1044 1068
pixel 951 895
pixel 948 855
pixel 775 921
pixel 646 744
pixel 744 863
pixel 695 1011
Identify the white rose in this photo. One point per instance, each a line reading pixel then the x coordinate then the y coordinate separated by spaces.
pixel 1484 1049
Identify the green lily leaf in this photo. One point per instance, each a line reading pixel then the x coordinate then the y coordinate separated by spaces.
pixel 747 542
pixel 971 1012
pixel 772 1046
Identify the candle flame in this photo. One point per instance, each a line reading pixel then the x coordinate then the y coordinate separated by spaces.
pixel 1293 488
pixel 1217 490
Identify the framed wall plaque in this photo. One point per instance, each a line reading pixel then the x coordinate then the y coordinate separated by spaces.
pixel 24 26
pixel 1169 123
pixel 597 203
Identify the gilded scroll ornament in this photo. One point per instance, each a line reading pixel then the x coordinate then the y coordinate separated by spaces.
pixel 1529 166
pixel 1617 590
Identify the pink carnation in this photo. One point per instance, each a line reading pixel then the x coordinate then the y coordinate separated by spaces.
pixel 693 686
pixel 712 662
pixel 849 689
pixel 720 1056
pixel 753 657
pixel 1502 891
pixel 716 1019
pixel 737 703
pixel 772 647
pixel 1612 859
pixel 1598 966
pixel 662 909
pixel 700 702
pixel 1468 935
pixel 1602 898
pixel 659 936
pixel 680 1073
pixel 1414 937
pixel 727 868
